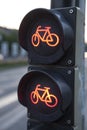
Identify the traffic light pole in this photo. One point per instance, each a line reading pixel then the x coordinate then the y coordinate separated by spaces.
pixel 68 3
pixel 62 3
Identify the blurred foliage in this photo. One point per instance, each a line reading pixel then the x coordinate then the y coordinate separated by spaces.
pixel 9 35
pixel 12 63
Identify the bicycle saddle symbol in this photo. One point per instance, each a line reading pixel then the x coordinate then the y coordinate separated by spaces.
pixel 44 35
pixel 49 99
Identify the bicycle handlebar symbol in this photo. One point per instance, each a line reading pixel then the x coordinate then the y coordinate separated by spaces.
pixel 44 34
pixel 49 99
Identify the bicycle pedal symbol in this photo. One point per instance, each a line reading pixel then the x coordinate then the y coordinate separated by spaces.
pixel 49 99
pixel 44 35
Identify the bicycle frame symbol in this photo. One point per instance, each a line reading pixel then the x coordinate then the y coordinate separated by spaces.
pixel 49 99
pixel 44 35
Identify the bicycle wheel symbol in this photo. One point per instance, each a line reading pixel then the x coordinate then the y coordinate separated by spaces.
pixel 34 97
pixel 53 101
pixel 35 40
pixel 55 40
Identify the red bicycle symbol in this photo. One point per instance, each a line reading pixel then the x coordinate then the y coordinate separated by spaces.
pixel 49 99
pixel 44 34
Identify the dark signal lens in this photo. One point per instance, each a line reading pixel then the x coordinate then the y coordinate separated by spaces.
pixel 44 95
pixel 45 35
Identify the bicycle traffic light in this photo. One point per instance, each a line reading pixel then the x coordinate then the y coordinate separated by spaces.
pixel 50 90
pixel 44 34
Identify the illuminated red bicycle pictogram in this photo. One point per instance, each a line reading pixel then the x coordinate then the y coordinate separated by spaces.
pixel 49 99
pixel 44 35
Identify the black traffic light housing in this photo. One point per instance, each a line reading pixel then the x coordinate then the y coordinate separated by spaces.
pixel 56 88
pixel 60 29
pixel 51 89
